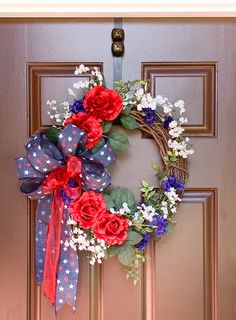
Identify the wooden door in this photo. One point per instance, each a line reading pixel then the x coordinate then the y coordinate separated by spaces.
pixel 191 273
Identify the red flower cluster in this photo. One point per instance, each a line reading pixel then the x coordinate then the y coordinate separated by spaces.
pixel 88 124
pixel 100 104
pixel 90 212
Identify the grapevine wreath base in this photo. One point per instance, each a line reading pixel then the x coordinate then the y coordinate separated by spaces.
pixel 66 170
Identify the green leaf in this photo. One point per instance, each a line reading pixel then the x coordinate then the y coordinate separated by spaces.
pixel 120 195
pixel 126 255
pixel 116 196
pixel 145 184
pixel 106 126
pixel 109 202
pixel 134 237
pixel 126 110
pixel 170 226
pixel 98 146
pixel 128 197
pixel 129 122
pixel 119 141
pixel 53 133
pixel 113 251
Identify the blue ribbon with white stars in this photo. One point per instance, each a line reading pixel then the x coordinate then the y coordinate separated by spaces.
pixel 44 156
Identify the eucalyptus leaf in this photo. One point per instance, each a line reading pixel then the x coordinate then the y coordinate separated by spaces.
pixel 119 141
pixel 129 122
pixel 126 255
pixel 121 195
pixel 113 251
pixel 52 134
pixel 126 110
pixel 134 237
pixel 128 197
pixel 109 202
pixel 106 126
pixel 116 196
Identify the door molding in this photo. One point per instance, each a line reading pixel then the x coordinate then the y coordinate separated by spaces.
pixel 91 8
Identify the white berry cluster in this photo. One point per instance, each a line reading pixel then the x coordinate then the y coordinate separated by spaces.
pixel 86 241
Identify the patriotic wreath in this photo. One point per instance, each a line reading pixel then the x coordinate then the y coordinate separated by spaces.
pixel 66 171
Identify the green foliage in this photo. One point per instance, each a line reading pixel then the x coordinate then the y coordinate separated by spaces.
pixel 126 110
pixel 106 126
pixel 171 226
pixel 113 251
pixel 120 195
pixel 129 122
pixel 119 141
pixel 52 134
pixel 109 202
pixel 159 173
pixel 147 191
pixel 98 146
pixel 170 158
pixel 134 237
pixel 126 255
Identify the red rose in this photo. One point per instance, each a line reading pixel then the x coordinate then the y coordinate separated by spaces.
pixel 112 228
pixel 88 209
pixel 103 104
pixel 88 124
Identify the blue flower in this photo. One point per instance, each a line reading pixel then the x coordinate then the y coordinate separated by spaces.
pixel 160 225
pixel 150 116
pixel 167 120
pixel 77 106
pixel 144 242
pixel 172 182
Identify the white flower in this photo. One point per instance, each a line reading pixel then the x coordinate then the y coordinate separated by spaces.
pixel 179 104
pixel 139 93
pixel 71 92
pixel 81 69
pixel 173 124
pixel 147 102
pixel 183 120
pixel 161 100
pixel 148 212
pixel 176 132
pixel 81 84
pixel 172 196
pixel 167 108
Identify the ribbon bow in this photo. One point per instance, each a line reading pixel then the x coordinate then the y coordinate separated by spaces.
pixel 54 174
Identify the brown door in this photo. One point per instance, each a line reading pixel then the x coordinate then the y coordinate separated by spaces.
pixel 190 275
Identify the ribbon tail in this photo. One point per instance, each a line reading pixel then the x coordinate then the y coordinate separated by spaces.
pixel 41 224
pixel 53 247
pixel 67 276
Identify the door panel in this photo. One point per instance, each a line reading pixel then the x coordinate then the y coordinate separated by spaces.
pixel 188 59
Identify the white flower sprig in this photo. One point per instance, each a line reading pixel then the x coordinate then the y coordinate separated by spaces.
pixel 86 241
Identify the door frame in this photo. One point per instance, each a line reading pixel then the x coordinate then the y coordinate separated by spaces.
pixel 121 8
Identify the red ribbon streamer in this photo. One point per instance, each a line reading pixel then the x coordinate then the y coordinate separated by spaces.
pixel 56 180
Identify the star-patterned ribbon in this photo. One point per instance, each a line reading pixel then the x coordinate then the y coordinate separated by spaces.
pixel 54 175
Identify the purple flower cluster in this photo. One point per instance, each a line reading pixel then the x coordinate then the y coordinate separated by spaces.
pixel 172 182
pixel 67 200
pixel 160 225
pixel 144 242
pixel 77 106
pixel 150 116
pixel 167 120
